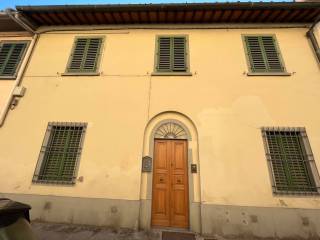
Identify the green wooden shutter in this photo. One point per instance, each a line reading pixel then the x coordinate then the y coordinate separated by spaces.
pixel 85 55
pixel 10 57
pixel 164 54
pixel 255 54
pixel 289 162
pixel 263 54
pixel 171 55
pixel 272 54
pixel 179 54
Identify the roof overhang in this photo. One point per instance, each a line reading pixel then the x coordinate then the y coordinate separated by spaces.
pixel 191 13
pixel 7 24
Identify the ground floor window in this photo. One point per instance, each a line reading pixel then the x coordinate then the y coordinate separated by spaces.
pixel 291 161
pixel 60 153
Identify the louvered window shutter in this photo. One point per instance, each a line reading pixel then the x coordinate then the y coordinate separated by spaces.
pixel 10 57
pixel 289 162
pixel 164 54
pixel 272 54
pixel 179 54
pixel 85 55
pixel 172 54
pixel 263 54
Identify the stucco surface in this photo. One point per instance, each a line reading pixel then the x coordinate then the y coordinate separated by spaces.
pixel 226 106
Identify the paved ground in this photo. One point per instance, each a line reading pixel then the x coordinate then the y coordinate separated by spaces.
pixel 53 231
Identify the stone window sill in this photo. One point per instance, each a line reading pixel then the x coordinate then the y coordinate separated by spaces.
pixel 268 74
pixel 171 74
pixel 81 74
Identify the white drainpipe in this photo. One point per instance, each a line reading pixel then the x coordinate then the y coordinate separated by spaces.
pixel 24 63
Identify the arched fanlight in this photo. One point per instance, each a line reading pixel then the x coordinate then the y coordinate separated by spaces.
pixel 171 130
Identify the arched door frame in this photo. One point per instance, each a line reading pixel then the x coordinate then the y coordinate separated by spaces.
pixel 193 158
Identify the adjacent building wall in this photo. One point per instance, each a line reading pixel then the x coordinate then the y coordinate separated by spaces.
pixel 227 107
pixel 7 85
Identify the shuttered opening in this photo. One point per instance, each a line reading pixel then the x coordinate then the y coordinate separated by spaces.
pixel 11 55
pixel 60 153
pixel 263 54
pixel 289 160
pixel 85 55
pixel 172 54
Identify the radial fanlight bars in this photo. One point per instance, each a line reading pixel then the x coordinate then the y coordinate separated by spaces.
pixel 170 130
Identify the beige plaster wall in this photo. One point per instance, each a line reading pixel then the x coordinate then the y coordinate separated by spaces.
pixel 226 106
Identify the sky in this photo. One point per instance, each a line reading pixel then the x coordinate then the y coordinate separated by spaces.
pixel 12 3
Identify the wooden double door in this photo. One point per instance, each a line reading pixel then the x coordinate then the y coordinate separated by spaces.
pixel 170 197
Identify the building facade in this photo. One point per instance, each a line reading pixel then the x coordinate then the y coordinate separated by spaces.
pixel 198 116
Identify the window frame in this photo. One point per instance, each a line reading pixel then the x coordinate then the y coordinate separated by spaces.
pixel 99 59
pixel 15 75
pixel 156 59
pixel 312 167
pixel 267 73
pixel 44 145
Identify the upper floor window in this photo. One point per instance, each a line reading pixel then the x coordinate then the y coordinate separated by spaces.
pixel 85 56
pixel 172 55
pixel 60 153
pixel 291 161
pixel 11 56
pixel 263 55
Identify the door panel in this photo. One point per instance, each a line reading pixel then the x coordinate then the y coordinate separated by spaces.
pixel 161 185
pixel 179 189
pixel 170 184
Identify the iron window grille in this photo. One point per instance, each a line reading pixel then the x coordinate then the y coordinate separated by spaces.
pixel 85 55
pixel 263 54
pixel 290 161
pixel 60 153
pixel 171 54
pixel 11 56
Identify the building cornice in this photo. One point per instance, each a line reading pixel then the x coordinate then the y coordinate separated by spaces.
pixel 187 13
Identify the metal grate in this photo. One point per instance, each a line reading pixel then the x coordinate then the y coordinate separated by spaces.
pixel 60 153
pixel 263 54
pixel 11 54
pixel 291 160
pixel 172 54
pixel 171 130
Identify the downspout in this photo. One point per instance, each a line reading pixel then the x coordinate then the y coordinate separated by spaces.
pixel 15 17
pixel 312 37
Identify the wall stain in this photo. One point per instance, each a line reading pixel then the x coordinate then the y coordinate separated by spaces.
pixel 283 203
pixel 305 221
pixel 114 209
pixel 254 218
pixel 47 206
